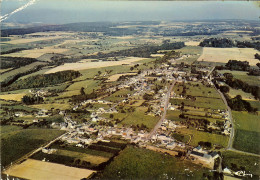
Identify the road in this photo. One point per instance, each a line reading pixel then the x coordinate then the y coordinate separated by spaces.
pixel 26 156
pixel 232 133
pixel 167 97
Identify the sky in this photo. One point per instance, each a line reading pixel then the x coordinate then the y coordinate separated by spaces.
pixel 69 11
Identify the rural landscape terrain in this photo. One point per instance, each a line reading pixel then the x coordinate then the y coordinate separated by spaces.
pixel 131 100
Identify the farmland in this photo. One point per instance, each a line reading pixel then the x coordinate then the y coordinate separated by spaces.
pixel 248 162
pixel 223 55
pixel 14 97
pixel 197 136
pixel 36 53
pixel 247 132
pixel 45 170
pixel 91 65
pixel 137 163
pixel 17 142
pixel 251 80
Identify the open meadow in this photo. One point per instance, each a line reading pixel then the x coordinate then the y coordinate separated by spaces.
pixel 223 55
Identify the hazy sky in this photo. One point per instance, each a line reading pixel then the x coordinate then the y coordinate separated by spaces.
pixel 67 11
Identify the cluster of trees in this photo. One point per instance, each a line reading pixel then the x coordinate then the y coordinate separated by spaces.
pixel 217 42
pixel 147 97
pixel 237 65
pixel 15 62
pixel 226 43
pixel 139 127
pixel 238 104
pixel 238 84
pixel 240 66
pixel 257 56
pixel 194 122
pixel 28 100
pixel 83 97
pixel 44 80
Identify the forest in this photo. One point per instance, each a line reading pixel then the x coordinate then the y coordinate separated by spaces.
pixel 15 62
pixel 227 43
pixel 43 80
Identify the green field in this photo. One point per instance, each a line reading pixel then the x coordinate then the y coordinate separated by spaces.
pixel 173 115
pixel 198 136
pixel 190 50
pixel 247 132
pixel 138 117
pixel 242 75
pixel 137 163
pixel 16 142
pixel 201 102
pixel 248 162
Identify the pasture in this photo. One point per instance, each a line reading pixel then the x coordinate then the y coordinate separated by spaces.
pixel 247 132
pixel 198 136
pixel 46 170
pixel 242 75
pixel 138 163
pixel 223 55
pixel 116 76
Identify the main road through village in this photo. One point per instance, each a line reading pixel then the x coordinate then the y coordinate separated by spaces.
pixel 167 97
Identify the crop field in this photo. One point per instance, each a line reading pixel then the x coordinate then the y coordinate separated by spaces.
pixel 46 170
pixel 17 142
pixel 192 43
pixel 61 106
pixel 91 65
pixel 223 55
pixel 14 97
pixel 28 40
pixel 35 53
pixel 138 163
pixel 20 70
pixel 198 136
pixel 249 162
pixel 242 75
pixel 194 50
pixel 247 132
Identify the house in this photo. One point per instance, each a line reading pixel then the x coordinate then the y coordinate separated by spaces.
pixel 171 145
